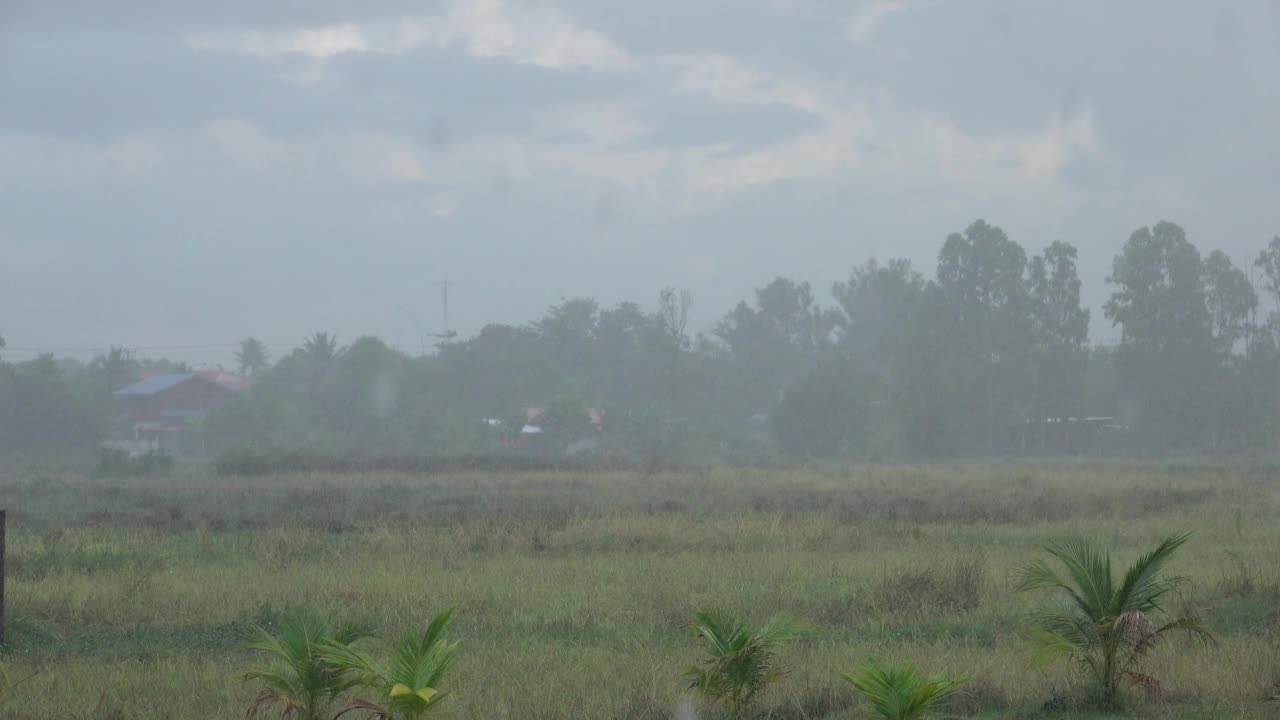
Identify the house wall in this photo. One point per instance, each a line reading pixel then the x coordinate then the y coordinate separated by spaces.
pixel 191 394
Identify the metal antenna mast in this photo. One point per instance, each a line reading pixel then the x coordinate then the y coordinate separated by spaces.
pixel 447 334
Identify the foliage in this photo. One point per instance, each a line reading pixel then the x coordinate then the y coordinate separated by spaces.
pixel 297 678
pixel 824 415
pixel 277 463
pixel 775 342
pixel 408 688
pixel 898 692
pixel 252 356
pixel 985 353
pixel 116 462
pixel 741 661
pixel 1108 628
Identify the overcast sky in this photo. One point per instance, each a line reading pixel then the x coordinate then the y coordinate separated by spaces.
pixel 189 173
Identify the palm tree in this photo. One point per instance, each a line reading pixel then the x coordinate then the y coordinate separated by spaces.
pixel 321 347
pixel 409 688
pixel 898 692
pixel 1107 627
pixel 252 356
pixel 113 370
pixel 741 662
pixel 296 677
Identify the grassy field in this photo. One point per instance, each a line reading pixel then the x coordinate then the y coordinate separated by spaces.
pixel 127 598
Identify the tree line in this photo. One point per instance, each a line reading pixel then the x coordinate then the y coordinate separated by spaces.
pixel 989 354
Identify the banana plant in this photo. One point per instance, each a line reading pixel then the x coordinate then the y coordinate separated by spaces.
pixel 408 688
pixel 296 679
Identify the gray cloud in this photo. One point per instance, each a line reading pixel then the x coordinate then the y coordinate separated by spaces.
pixel 192 172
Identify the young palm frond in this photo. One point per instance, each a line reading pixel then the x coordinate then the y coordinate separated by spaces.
pixel 408 689
pixel 1107 628
pixel 741 662
pixel 898 692
pixel 296 679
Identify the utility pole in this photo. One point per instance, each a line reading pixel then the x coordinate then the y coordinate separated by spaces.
pixel 422 340
pixel 445 289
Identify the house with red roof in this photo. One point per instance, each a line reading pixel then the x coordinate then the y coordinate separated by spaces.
pixel 160 411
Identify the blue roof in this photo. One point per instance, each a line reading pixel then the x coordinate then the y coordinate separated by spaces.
pixel 154 384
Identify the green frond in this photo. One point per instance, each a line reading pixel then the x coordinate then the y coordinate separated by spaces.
pixel 1036 575
pixel 1090 571
pixel 781 629
pixel 740 662
pixel 267 643
pixel 348 659
pixel 1051 646
pixel 722 629
pixel 898 692
pixel 271 679
pixel 1106 627
pixel 351 633
pixel 1193 626
pixel 409 686
pixel 1143 585
pixel 295 668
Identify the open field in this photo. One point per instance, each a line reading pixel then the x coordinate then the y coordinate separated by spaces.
pixel 127 598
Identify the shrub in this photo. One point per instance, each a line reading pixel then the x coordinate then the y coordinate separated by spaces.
pixel 1107 628
pixel 409 688
pixel 898 692
pixel 741 661
pixel 297 678
pixel 116 462
pixel 955 586
pixel 274 463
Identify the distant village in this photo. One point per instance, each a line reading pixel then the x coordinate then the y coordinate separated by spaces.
pixel 164 412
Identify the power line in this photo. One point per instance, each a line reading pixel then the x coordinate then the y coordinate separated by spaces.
pixel 130 348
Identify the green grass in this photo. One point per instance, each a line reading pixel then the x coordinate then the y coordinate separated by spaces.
pixel 127 597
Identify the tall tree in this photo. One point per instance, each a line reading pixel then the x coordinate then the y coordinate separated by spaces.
pixel 1263 361
pixel 981 279
pixel 777 341
pixel 107 373
pixel 888 336
pixel 1231 301
pixel 1269 262
pixel 320 348
pixel 1060 332
pixel 1166 346
pixel 252 356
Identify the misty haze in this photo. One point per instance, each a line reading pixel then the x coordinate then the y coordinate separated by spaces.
pixel 788 359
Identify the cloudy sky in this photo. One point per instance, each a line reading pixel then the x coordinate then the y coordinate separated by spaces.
pixel 187 173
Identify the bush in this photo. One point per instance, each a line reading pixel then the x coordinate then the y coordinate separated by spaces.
pixel 898 692
pixel 741 661
pixel 1108 627
pixel 313 462
pixel 115 462
pixel 956 586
